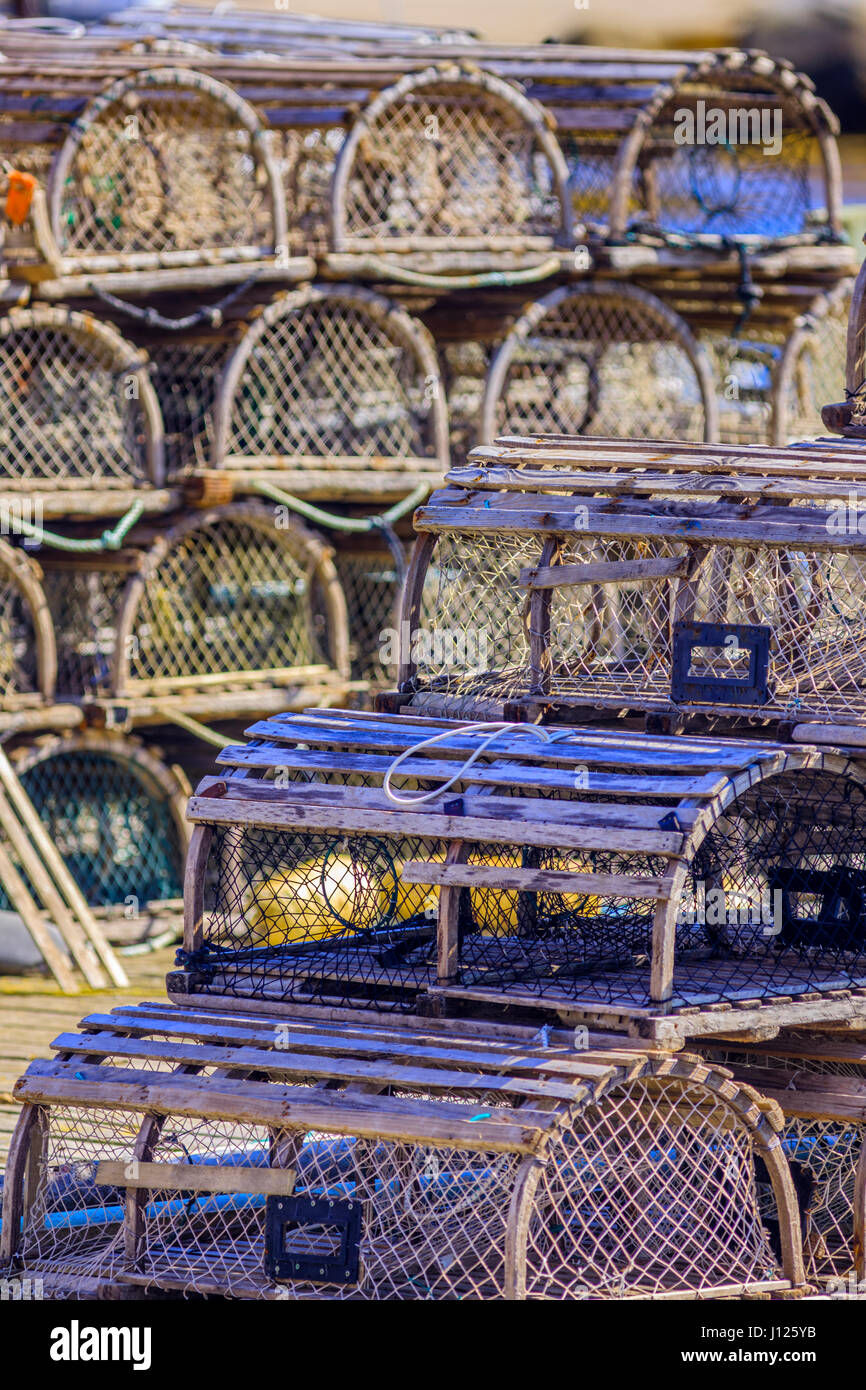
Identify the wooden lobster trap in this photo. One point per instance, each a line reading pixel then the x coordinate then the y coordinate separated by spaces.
pixel 775 345
pixel 670 887
pixel 699 149
pixel 819 1082
pixel 454 164
pixel 332 391
pixel 164 180
pixel 28 652
pixel 80 424
pixel 173 1149
pixel 600 358
pixel 223 612
pixel 114 809
pixel 669 579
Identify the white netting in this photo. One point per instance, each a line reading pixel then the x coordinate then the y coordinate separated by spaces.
pixel 614 640
pixel 652 1192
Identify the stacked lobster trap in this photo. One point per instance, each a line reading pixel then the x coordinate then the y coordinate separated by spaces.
pixel 425 1034
pixel 477 1172
pixel 444 182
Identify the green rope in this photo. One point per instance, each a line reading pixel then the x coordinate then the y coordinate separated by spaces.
pixel 109 540
pixel 360 525
pixel 380 266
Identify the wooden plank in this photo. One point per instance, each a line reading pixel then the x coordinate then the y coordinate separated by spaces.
pixel 61 885
pixel 470 804
pixel 285 1062
pixel 370 1117
pixel 307 1037
pixel 533 880
pixel 585 745
pixel 831 490
pixel 401 823
pixel 490 770
pixel 601 572
pixel 195 1177
pixel 534 519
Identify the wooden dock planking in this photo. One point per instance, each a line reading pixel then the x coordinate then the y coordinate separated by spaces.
pixel 33 1012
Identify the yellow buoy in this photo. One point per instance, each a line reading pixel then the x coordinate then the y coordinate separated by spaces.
pixel 332 897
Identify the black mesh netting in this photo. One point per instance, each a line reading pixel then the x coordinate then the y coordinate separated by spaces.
pixel 371 585
pixel 774 903
pixel 115 830
pixel 312 916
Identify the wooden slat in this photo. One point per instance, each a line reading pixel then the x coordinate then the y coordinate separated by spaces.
pixel 652 481
pixel 232 810
pixel 195 1177
pixel 533 516
pixel 372 1117
pixel 533 880
pixel 602 572
pixel 443 1049
pixel 589 746
pixel 489 770
pixel 286 1062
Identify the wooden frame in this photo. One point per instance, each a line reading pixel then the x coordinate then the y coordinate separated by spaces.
pixel 459 79
pixel 818 1081
pixel 536 1098
pixel 668 325
pixel 166 784
pixel 693 785
pixel 127 686
pixel 49 232
pixel 610 500
pixel 290 471
pixel 22 573
pixel 97 494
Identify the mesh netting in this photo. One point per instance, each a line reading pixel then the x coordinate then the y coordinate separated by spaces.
pixel 327 378
pixel 307 158
pixel 649 1191
pixel 446 160
pixel 312 916
pixel 817 373
pixel 464 368
pixel 19 666
pixel 370 583
pixel 185 377
pixel 84 604
pixel 826 1152
pixel 771 906
pixel 114 827
pixel 613 642
pixel 162 168
pixel 612 364
pixel 69 407
pixel 653 1191
pixel 754 181
pixel 230 596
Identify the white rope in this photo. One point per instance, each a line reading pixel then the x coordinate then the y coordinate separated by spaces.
pixel 492 731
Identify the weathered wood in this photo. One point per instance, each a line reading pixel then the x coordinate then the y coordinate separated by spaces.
pixel 534 880
pixel 602 572
pixel 195 1177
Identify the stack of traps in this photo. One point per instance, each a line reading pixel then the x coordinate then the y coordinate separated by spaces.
pixel 304 1122
pixel 432 1047
pixel 170 1150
